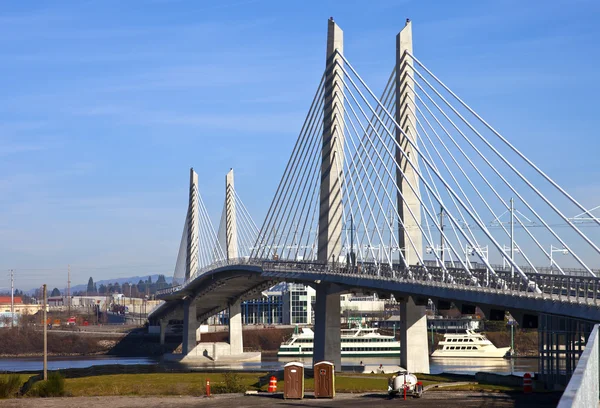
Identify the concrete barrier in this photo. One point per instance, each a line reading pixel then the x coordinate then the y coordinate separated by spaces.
pixel 583 388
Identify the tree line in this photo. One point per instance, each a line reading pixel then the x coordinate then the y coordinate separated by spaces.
pixel 137 290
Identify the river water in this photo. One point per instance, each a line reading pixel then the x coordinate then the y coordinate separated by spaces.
pixel 517 366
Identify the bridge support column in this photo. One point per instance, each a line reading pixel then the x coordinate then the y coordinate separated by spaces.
pixel 236 341
pixel 190 326
pixel 414 349
pixel 163 330
pixel 327 341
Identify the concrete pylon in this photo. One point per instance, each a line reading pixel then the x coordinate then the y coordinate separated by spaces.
pixel 405 117
pixel 190 326
pixel 327 343
pixel 332 153
pixel 231 236
pixel 163 330
pixel 192 219
pixel 414 348
pixel 236 341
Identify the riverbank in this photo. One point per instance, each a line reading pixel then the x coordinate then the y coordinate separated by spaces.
pixel 135 342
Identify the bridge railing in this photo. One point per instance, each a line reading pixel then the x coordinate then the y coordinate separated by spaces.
pixel 578 289
pixel 583 389
pixel 201 271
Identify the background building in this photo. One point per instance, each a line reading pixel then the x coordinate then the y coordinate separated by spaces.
pixel 298 303
pixel 19 307
pixel 266 310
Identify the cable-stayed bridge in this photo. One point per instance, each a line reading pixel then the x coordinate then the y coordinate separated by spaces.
pixel 410 193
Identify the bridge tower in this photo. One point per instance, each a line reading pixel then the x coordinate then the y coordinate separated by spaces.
pixel 414 354
pixel 231 242
pixel 191 261
pixel 190 320
pixel 405 117
pixel 327 343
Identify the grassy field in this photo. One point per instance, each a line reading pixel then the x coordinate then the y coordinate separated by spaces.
pixel 194 384
pixel 24 377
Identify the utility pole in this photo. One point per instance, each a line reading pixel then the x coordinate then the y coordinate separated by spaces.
pixel 12 298
pixel 44 295
pixel 69 291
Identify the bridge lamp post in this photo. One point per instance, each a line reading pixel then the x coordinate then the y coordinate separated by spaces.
pixel 435 250
pixel 554 249
pixel 481 251
pixel 374 248
pixel 507 248
pixel 394 248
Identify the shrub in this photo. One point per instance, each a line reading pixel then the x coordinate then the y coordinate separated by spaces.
pixel 10 385
pixel 232 383
pixel 54 387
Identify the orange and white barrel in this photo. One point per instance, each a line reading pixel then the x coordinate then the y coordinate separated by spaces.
pixel 273 384
pixel 527 384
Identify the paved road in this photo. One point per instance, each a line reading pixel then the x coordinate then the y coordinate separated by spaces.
pixel 436 399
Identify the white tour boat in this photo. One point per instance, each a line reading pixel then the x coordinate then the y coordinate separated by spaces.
pixel 469 344
pixel 356 342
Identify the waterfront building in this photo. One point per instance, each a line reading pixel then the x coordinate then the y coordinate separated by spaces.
pixel 298 301
pixel 266 310
pixel 19 307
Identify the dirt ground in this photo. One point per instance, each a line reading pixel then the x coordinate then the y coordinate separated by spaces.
pixel 430 400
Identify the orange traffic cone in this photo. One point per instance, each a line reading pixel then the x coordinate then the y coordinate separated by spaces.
pixel 273 384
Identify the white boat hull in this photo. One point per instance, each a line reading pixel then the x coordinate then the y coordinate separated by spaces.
pixel 496 353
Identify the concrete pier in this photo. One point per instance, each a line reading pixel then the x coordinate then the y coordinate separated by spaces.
pixel 163 330
pixel 190 326
pixel 414 348
pixel 327 341
pixel 236 341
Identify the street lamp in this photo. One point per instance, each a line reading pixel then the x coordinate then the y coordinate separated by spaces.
pixel 554 249
pixel 438 249
pixel 506 248
pixel 482 251
pixel 476 250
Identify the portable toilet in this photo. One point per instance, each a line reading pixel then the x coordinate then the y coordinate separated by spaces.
pixel 293 381
pixel 324 380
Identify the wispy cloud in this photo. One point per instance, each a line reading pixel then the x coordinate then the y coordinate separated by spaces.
pixel 8 149
pixel 275 122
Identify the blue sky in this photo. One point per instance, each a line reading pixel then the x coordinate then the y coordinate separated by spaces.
pixel 104 106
